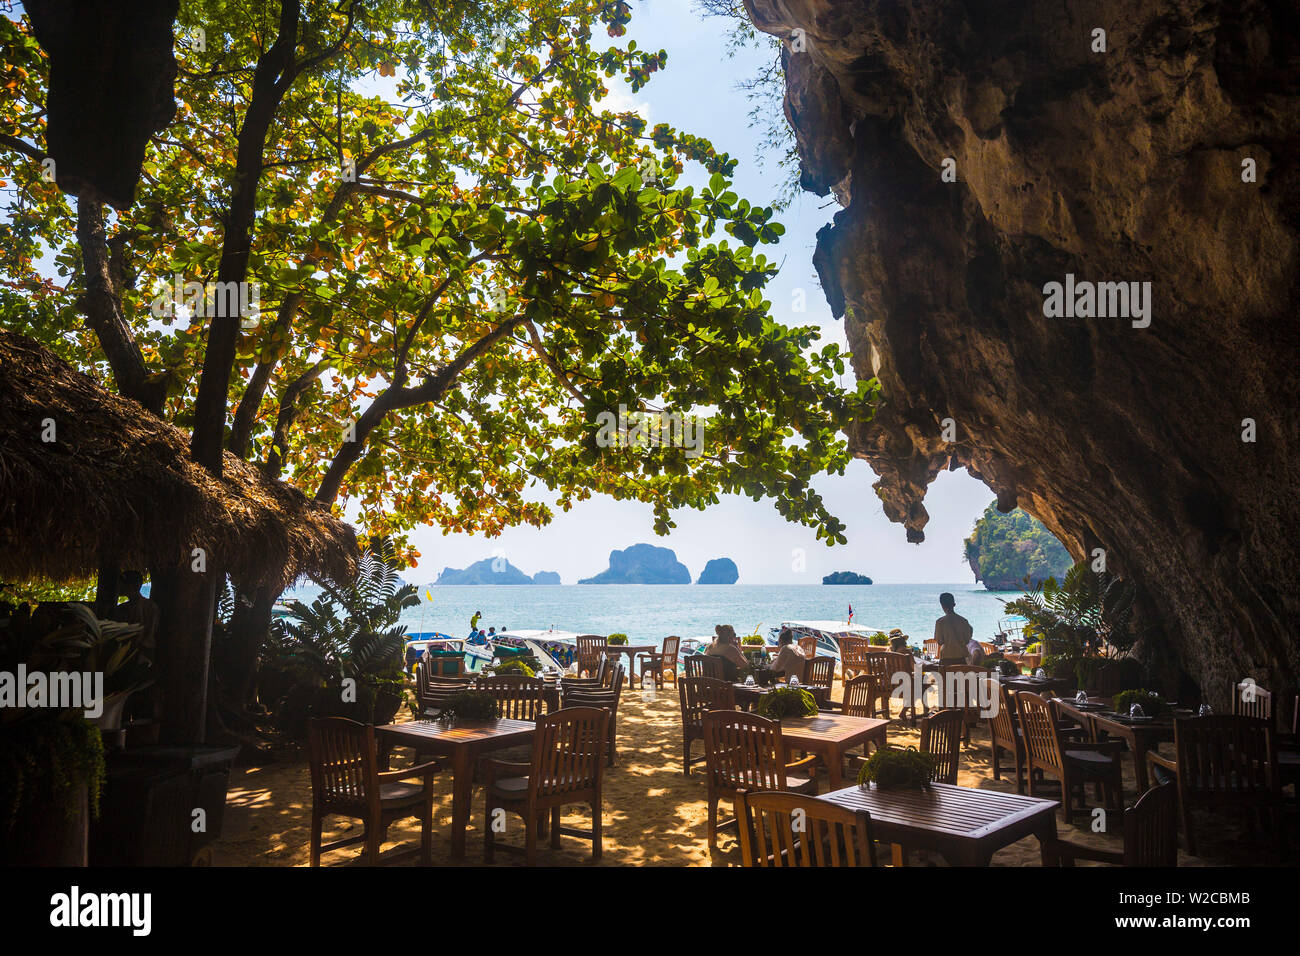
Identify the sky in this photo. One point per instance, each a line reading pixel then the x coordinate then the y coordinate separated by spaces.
pixel 697 93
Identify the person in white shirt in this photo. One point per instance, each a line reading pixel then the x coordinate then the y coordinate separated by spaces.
pixel 952 632
pixel 789 660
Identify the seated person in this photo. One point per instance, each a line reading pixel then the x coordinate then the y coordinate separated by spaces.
pixel 726 647
pixel 898 642
pixel 789 660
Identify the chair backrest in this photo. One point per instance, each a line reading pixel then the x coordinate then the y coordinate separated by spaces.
pixel 743 751
pixel 433 690
pixel 809 646
pixel 1002 725
pixel 344 762
pixel 826 834
pixel 1251 700
pixel 1042 745
pixel 518 697
pixel 820 671
pixel 854 652
pixel 1225 758
pixel 569 752
pixel 596 695
pixel 699 695
pixel 1151 828
pixel 959 686
pixel 941 739
pixel 705 665
pixel 860 695
pixel 590 648
pixel 671 646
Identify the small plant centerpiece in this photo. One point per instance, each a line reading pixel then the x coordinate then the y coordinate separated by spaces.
pixel 469 705
pixel 893 768
pixel 752 646
pixel 787 702
pixel 879 639
pixel 1152 705
pixel 752 640
pixel 620 639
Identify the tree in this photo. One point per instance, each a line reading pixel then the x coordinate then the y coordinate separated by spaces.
pixel 461 262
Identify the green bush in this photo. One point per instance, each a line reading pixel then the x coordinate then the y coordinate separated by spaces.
pixel 470 705
pixel 1152 705
pixel 616 639
pixel 891 768
pixel 879 639
pixel 515 667
pixel 752 640
pixel 787 702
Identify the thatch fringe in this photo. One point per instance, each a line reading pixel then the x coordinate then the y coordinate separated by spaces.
pixel 118 483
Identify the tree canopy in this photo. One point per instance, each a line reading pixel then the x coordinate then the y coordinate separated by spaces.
pixel 452 257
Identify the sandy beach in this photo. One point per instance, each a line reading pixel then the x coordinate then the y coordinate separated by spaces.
pixel 654 816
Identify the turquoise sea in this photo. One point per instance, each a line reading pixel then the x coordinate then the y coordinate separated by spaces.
pixel 650 612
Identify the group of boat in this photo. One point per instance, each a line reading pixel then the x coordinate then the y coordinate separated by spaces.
pixel 556 649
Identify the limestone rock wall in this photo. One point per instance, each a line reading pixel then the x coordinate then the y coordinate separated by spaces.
pixel 1123 165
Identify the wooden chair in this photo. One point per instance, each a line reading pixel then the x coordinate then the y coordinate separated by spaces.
pixel 853 657
pixel 827 834
pixel 346 780
pixel 1150 835
pixel 605 697
pixel 1251 700
pixel 809 647
pixel 566 769
pixel 860 699
pixel 432 690
pixel 1004 734
pixel 590 650
pixel 705 665
pixel 518 697
pixel 941 738
pixel 699 695
pixel 1074 763
pixel 884 665
pixel 663 664
pixel 743 753
pixel 1222 762
pixel 818 678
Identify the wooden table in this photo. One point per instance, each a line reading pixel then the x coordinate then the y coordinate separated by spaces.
pixel 631 650
pixel 1036 686
pixel 463 741
pixel 1141 736
pixel 965 825
pixel 748 695
pixel 831 735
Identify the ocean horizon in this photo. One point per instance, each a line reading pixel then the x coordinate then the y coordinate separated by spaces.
pixel 650 612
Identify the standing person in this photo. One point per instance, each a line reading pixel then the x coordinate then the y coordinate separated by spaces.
pixel 952 632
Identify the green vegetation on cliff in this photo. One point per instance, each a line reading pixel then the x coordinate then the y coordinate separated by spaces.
pixel 1005 548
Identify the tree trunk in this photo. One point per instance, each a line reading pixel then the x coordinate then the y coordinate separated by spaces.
pixel 186 602
pixel 249 626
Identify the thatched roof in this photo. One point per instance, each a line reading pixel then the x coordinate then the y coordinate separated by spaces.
pixel 118 481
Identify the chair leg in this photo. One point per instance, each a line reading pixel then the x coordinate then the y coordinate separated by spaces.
pixel 1020 784
pixel 489 836
pixel 426 831
pixel 597 829
pixel 1067 800
pixel 686 756
pixel 997 769
pixel 530 841
pixel 374 837
pixel 713 821
pixel 317 822
pixel 555 828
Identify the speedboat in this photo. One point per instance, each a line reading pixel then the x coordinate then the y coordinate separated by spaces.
pixel 477 656
pixel 827 633
pixel 554 649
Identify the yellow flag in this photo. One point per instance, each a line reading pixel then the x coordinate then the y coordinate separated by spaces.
pixel 428 596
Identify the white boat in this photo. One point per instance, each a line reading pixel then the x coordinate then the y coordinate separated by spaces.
pixel 555 649
pixel 827 633
pixel 477 656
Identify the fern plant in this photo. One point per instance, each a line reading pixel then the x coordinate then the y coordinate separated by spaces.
pixel 787 702
pixel 1078 618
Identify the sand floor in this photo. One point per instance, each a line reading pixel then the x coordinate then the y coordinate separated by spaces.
pixel 653 815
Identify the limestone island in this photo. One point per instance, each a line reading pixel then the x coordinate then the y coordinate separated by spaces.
pixel 642 564
pixel 719 571
pixel 846 577
pixel 493 571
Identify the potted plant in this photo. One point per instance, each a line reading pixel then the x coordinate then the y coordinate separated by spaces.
pixel 892 768
pixel 620 639
pixel 469 705
pixel 1152 704
pixel 787 702
pixel 514 667
pixel 878 639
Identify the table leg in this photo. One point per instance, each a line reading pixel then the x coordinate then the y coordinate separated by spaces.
pixel 1139 745
pixel 462 769
pixel 1046 836
pixel 834 763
